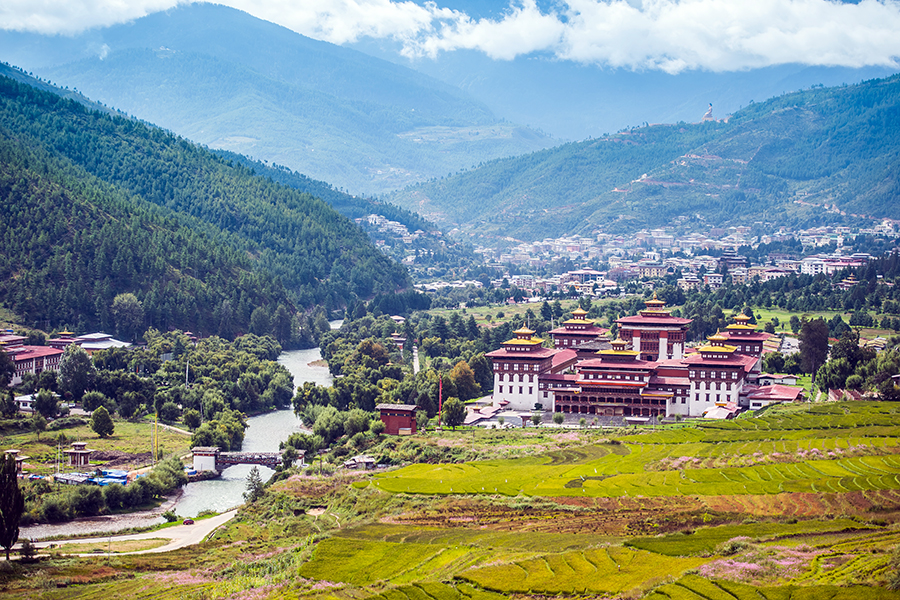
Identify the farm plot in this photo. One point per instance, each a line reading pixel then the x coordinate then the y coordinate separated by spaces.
pixel 707 539
pixel 365 562
pixel 436 591
pixel 361 562
pixel 598 478
pixel 612 570
pixel 692 587
pixel 526 541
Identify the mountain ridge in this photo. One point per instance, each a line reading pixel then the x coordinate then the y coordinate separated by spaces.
pixel 823 146
pixel 332 113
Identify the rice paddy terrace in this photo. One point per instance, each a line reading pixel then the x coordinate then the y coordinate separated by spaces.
pixel 800 503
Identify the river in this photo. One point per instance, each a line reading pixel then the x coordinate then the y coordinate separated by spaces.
pixel 264 433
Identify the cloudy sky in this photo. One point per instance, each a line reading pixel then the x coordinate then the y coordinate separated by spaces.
pixel 667 35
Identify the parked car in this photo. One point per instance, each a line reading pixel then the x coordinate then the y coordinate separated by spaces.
pixel 188 522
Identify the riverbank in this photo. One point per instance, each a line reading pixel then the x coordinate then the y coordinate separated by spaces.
pixel 103 524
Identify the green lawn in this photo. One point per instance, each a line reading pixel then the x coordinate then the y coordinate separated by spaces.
pixel 129 438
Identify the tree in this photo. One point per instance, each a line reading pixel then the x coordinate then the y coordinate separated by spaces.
pixel 9 408
pixel 12 503
pixel 536 418
pixel 101 423
pixel 46 404
pixel 558 418
pixel 48 380
pixel 191 418
pixel 813 345
pixel 128 313
pixel 454 412
pixel 38 424
pixel 255 489
pixel 288 456
pixel 7 369
pixel 76 371
pixel 464 379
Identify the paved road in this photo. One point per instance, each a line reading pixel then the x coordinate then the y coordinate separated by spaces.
pixel 179 536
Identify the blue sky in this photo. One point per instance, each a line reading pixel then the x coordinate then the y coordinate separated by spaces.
pixel 672 36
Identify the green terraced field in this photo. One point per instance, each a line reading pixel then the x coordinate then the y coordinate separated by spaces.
pixel 436 591
pixel 526 541
pixel 615 475
pixel 832 448
pixel 610 570
pixel 692 587
pixel 707 539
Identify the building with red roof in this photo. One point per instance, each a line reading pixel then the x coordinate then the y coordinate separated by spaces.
pixel 518 365
pixel 576 331
pixel 31 359
pixel 654 332
pixel 744 336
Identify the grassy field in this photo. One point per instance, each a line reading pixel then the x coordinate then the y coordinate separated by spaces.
pixel 828 448
pixel 800 503
pixel 102 547
pixel 131 442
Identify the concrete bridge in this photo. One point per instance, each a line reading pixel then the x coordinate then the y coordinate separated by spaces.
pixel 211 458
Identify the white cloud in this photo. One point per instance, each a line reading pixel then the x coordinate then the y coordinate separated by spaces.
pixel 73 16
pixel 669 35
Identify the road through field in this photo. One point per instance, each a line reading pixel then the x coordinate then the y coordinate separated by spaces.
pixel 179 536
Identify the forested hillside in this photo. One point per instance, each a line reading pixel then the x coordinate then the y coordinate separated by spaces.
pixel 781 161
pixel 95 205
pixel 223 78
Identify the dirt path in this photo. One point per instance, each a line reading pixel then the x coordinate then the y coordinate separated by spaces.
pixel 179 536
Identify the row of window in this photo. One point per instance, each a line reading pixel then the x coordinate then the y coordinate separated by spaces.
pixel 712 374
pixel 511 378
pixel 618 376
pixel 512 390
pixel 518 367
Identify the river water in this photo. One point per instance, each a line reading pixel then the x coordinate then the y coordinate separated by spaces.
pixel 263 434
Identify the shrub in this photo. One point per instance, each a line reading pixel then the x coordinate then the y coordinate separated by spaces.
pixel 732 547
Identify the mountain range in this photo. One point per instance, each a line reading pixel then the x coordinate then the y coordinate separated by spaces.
pixel 96 205
pixel 230 81
pixel 817 155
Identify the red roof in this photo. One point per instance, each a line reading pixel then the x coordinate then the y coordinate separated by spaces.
pixel 603 363
pixel 657 380
pixel 524 354
pixel 562 357
pixel 776 393
pixel 660 320
pixel 589 330
pixel 20 353
pixel 735 360
pixel 756 336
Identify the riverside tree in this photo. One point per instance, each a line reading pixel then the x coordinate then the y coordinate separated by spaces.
pixel 12 503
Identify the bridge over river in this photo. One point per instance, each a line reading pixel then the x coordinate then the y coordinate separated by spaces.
pixel 211 458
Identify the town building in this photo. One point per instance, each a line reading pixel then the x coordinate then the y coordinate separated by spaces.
pixel 744 336
pixel 79 454
pixel 519 364
pixel 398 419
pixel 29 359
pixel 576 331
pixel 654 332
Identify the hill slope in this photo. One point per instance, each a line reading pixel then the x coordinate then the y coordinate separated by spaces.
pixel 819 147
pixel 100 205
pixel 225 79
